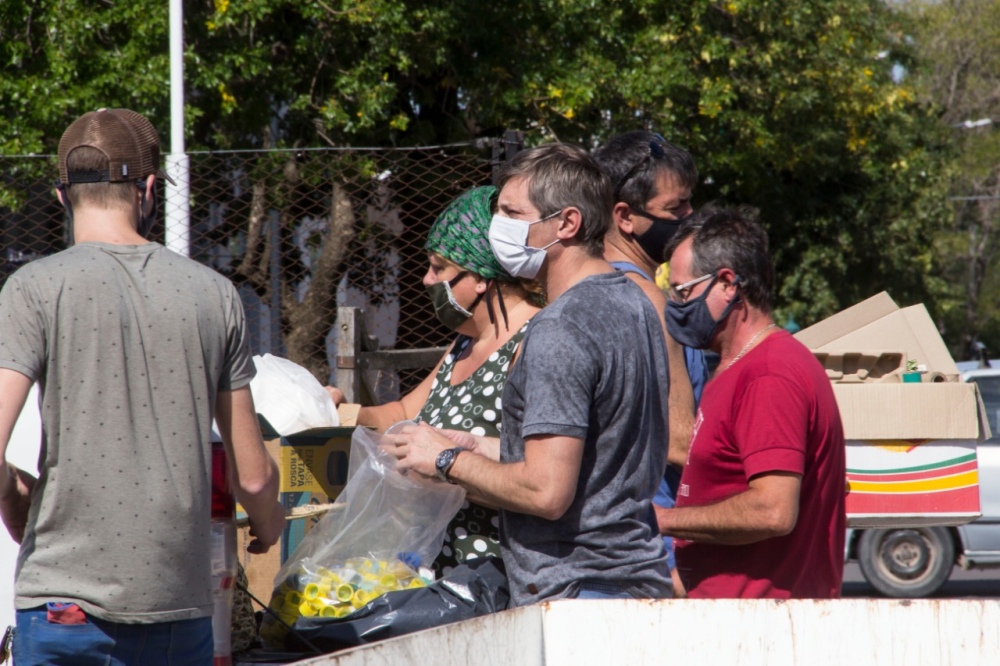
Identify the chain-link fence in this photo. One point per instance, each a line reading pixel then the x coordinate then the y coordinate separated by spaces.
pixel 300 232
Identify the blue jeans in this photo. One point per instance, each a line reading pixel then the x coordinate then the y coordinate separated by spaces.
pixel 593 590
pixel 37 641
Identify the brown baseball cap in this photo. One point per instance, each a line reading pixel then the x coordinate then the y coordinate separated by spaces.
pixel 125 137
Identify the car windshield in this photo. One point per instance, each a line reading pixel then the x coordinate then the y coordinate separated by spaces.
pixel 989 388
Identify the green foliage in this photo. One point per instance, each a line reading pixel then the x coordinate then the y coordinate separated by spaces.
pixel 787 105
pixel 63 58
pixel 959 47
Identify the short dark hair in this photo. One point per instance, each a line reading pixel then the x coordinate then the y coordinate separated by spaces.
pixel 629 161
pixel 731 238
pixel 559 176
pixel 108 196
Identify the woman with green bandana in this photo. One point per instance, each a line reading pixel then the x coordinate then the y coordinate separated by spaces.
pixel 473 296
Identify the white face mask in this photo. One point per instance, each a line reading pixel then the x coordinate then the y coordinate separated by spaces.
pixel 509 240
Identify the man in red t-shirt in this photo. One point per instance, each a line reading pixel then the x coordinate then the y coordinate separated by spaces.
pixel 760 510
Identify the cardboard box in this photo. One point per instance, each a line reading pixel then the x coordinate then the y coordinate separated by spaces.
pixel 911 447
pixel 313 466
pixel 951 410
pixel 866 366
pixel 879 324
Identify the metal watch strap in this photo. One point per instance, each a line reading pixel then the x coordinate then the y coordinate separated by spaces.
pixel 445 461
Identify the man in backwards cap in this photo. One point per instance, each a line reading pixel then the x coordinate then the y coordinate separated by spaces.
pixel 135 350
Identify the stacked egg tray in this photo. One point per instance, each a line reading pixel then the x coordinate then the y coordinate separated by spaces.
pixel 337 591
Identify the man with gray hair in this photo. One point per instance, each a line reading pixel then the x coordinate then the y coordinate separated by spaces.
pixel 135 350
pixel 584 408
pixel 760 509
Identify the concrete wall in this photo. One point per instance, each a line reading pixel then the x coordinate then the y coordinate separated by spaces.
pixel 801 632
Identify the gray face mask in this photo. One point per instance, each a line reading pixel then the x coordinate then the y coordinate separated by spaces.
pixel 447 309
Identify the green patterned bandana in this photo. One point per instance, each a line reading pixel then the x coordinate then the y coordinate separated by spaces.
pixel 461 234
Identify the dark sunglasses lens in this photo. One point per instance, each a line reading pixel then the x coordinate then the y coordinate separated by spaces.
pixel 655 149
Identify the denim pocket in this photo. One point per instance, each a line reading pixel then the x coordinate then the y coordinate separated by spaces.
pixel 71 644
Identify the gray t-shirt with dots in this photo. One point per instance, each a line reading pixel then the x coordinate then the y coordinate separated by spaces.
pixel 130 346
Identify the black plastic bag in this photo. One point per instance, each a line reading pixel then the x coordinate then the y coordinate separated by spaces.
pixel 478 587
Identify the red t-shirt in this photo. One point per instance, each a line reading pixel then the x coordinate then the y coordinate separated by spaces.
pixel 773 411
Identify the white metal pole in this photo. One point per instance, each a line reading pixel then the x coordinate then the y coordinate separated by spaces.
pixel 178 209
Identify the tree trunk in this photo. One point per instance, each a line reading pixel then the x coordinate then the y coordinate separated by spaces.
pixel 309 321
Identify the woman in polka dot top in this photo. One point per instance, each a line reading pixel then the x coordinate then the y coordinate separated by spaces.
pixel 489 310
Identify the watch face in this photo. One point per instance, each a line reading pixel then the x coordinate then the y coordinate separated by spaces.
pixel 443 463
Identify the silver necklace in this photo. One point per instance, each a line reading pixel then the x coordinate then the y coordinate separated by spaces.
pixel 749 344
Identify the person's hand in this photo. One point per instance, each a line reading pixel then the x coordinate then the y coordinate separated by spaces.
pixel 336 394
pixel 265 534
pixel 417 448
pixel 488 447
pixel 16 501
pixel 466 440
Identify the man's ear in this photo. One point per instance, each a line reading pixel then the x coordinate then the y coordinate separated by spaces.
pixel 622 214
pixel 569 223
pixel 61 195
pixel 730 281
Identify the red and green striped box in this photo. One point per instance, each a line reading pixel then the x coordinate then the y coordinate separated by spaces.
pixel 911 482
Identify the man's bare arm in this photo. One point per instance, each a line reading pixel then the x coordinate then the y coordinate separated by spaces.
pixel 15 484
pixel 255 475
pixel 542 485
pixel 481 444
pixel 768 508
pixel 680 404
pixel 680 398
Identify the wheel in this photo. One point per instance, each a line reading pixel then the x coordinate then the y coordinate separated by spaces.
pixel 913 562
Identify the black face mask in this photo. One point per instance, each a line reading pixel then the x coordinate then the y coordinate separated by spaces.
pixel 68 207
pixel 146 221
pixel 655 239
pixel 447 309
pixel 691 324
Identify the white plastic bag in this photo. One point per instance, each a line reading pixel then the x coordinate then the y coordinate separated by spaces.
pixel 289 397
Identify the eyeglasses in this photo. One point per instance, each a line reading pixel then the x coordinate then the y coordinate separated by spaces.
pixel 655 150
pixel 682 292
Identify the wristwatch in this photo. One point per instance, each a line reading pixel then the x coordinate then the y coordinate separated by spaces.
pixel 444 461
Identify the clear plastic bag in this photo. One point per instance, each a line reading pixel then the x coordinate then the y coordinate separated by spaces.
pixel 289 397
pixel 390 528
